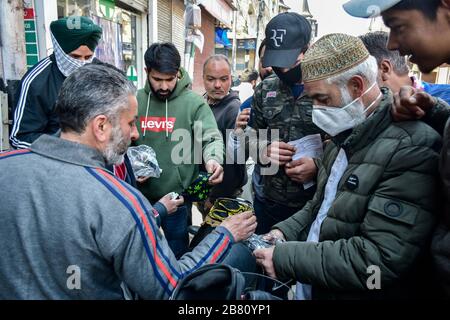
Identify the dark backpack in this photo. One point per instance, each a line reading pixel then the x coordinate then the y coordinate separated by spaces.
pixel 217 282
pixel 211 282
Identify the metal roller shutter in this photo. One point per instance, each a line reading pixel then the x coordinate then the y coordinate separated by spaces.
pixel 139 5
pixel 165 20
pixel 178 26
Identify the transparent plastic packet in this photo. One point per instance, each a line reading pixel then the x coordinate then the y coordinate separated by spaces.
pixel 256 241
pixel 144 163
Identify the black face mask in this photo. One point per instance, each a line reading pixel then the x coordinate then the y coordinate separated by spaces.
pixel 289 77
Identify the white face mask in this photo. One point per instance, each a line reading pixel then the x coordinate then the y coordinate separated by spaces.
pixel 334 120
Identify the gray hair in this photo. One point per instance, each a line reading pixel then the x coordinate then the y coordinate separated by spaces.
pixel 90 91
pixel 376 43
pixel 368 70
pixel 217 57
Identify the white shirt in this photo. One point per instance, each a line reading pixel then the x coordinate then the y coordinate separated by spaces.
pixel 303 291
pixel 245 90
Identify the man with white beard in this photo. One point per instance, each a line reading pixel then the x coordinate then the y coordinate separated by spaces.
pixel 70 229
pixel 364 234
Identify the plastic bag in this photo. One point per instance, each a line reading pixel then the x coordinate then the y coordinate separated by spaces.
pixel 225 207
pixel 144 163
pixel 256 241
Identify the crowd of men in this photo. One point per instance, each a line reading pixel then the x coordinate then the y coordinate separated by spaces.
pixel 373 201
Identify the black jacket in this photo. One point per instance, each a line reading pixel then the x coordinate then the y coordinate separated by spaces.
pixel 235 175
pixel 34 113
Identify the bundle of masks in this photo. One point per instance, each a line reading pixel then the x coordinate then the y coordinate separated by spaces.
pixel 256 241
pixel 224 208
pixel 221 209
pixel 199 189
pixel 144 163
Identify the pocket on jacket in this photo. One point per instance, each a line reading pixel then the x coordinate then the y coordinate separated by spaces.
pixel 394 209
pixel 271 112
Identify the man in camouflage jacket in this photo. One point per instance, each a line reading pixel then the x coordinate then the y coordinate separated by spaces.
pixel 281 107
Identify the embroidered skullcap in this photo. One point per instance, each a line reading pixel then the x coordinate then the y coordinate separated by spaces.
pixel 331 55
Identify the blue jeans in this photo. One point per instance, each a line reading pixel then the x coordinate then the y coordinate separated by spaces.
pixel 269 213
pixel 241 258
pixel 175 228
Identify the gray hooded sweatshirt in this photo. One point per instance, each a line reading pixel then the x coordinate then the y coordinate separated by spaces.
pixel 70 230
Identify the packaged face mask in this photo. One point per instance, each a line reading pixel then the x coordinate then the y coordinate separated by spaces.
pixel 144 163
pixel 224 208
pixel 199 189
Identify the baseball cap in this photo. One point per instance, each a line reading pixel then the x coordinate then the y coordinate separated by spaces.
pixel 287 34
pixel 368 8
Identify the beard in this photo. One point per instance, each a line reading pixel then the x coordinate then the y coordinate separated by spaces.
pixel 116 147
pixel 356 104
pixel 346 98
pixel 162 94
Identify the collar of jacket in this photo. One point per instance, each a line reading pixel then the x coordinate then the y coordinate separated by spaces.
pixel 233 95
pixel 68 151
pixel 287 90
pixel 362 135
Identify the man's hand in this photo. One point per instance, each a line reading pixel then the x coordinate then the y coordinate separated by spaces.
pixel 171 205
pixel 207 205
pixel 241 225
pixel 242 120
pixel 273 236
pixel 142 179
pixel 212 166
pixel 264 257
pixel 280 152
pixel 302 170
pixel 411 104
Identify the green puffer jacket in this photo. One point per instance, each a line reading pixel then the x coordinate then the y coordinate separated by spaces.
pixel 385 219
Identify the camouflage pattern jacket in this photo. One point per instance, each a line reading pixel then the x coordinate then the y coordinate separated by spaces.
pixel 275 108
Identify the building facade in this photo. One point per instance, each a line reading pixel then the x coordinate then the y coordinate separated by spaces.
pixel 129 27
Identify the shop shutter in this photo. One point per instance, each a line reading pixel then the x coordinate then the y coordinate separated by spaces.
pixel 165 20
pixel 139 5
pixel 178 26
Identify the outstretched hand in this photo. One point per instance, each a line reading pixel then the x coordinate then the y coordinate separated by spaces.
pixel 411 104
